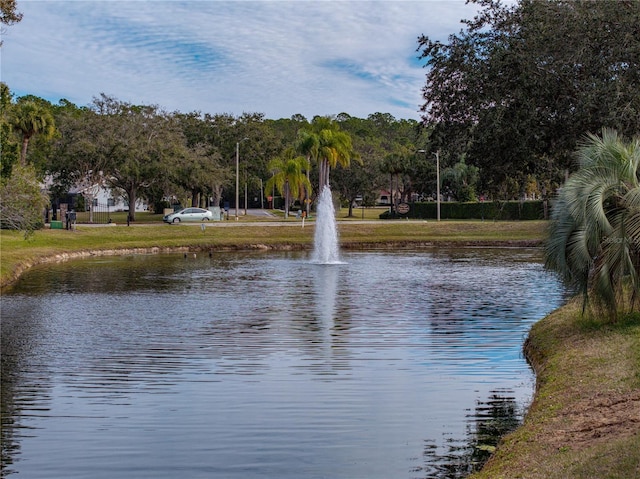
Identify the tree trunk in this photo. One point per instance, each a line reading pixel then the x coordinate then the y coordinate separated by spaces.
pixel 23 151
pixel 324 175
pixel 307 199
pixel 131 195
pixel 286 200
pixel 216 193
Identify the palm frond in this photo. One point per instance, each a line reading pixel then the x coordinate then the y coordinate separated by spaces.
pixel 594 236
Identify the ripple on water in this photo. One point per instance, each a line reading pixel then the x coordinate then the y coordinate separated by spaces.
pixel 266 365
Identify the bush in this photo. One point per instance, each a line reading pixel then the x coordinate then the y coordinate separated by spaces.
pixel 22 201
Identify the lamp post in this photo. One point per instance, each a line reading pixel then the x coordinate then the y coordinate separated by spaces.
pixel 261 195
pixel 437 155
pixel 238 174
pixel 438 182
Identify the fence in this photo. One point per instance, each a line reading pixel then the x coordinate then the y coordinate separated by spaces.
pixel 98 214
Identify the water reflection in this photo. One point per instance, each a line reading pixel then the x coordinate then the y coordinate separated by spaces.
pixel 491 420
pixel 24 392
pixel 264 364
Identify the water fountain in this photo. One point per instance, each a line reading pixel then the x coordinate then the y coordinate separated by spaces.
pixel 325 249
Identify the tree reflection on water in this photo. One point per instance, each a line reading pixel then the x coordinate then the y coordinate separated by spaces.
pixel 492 419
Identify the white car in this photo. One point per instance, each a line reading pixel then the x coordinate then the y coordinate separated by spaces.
pixel 189 214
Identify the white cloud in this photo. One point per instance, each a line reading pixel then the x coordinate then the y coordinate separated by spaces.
pixel 274 57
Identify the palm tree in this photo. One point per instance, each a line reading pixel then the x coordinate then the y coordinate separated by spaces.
pixel 288 177
pixel 594 240
pixel 329 146
pixel 308 144
pixel 462 178
pixel 31 118
pixel 394 164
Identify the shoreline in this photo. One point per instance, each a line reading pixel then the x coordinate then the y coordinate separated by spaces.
pixel 18 253
pixel 23 266
pixel 584 418
pixel 62 257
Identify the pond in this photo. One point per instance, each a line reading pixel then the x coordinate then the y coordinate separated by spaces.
pixel 252 365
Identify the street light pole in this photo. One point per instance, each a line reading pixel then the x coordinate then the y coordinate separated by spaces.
pixel 238 174
pixel 261 195
pixel 237 177
pixel 438 182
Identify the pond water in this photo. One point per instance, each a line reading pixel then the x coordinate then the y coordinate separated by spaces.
pixel 253 365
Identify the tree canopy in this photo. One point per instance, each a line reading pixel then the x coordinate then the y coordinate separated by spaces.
pixel 141 151
pixel 520 84
pixel 22 201
pixel 288 177
pixel 9 14
pixel 30 118
pixel 325 142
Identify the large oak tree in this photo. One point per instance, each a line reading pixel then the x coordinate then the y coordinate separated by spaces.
pixel 520 84
pixel 130 147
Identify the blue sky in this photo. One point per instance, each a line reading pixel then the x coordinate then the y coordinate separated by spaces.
pixel 280 58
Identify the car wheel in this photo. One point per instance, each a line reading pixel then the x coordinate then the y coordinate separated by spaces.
pixel 176 220
pixel 205 219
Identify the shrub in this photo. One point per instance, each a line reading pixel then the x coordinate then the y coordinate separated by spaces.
pixel 22 201
pixel 487 210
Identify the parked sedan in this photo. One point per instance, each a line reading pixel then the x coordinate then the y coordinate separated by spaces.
pixel 189 214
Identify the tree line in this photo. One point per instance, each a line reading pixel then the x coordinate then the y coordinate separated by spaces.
pixel 507 101
pixel 530 98
pixel 146 152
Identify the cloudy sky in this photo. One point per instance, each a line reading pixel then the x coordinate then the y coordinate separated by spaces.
pixel 280 58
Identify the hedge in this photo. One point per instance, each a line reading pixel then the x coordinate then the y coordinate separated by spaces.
pixel 488 210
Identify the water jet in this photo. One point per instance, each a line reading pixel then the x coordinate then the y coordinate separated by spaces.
pixel 325 240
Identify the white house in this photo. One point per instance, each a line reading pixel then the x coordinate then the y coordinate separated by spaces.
pixel 100 196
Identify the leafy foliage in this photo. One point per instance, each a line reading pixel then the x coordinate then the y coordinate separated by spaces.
pixel 29 118
pixel 9 146
pixel 123 145
pixel 288 177
pixel 462 179
pixel 521 84
pixel 9 14
pixel 328 145
pixel 22 201
pixel 594 240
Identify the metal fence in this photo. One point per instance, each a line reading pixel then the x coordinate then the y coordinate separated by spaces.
pixel 98 214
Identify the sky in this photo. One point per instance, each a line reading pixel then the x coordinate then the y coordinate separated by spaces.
pixel 275 57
